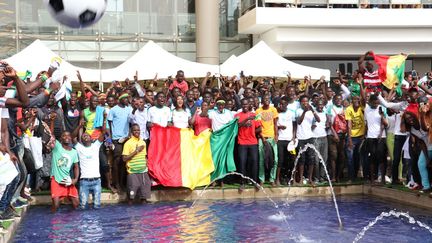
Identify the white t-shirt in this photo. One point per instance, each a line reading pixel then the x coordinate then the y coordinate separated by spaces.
pixel 293 107
pixel 286 119
pixel 220 119
pixel 320 129
pixel 304 130
pixel 140 118
pixel 89 159
pixel 160 116
pixel 391 123
pixel 180 119
pixel 333 111
pixel 373 122
pixel 397 125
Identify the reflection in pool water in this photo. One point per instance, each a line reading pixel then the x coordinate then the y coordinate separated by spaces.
pixel 308 220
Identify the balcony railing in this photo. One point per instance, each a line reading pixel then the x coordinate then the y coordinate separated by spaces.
pixel 247 5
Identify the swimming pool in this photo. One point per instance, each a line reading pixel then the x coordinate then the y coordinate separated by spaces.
pixel 308 220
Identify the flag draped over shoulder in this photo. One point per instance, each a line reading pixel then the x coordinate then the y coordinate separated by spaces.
pixel 178 158
pixel 222 147
pixel 391 70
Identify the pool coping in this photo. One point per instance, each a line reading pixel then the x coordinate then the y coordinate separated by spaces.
pixel 7 238
pixel 175 194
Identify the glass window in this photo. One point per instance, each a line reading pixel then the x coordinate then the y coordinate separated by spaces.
pixel 34 18
pixel 7 15
pixel 120 18
pixel 157 18
pixel 228 17
pixel 7 47
pixel 186 21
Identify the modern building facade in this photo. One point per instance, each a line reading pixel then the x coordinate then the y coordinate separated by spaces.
pixel 333 33
pixel 125 28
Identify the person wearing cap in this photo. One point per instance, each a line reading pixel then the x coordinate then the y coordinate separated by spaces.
pixel 220 116
pixel 118 119
pixel 287 127
pixel 269 117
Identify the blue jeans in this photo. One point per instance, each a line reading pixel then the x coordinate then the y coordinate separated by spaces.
pixel 422 166
pixel 354 157
pixel 19 152
pixel 8 194
pixel 92 186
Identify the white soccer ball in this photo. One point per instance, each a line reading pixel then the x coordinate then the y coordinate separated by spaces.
pixel 76 13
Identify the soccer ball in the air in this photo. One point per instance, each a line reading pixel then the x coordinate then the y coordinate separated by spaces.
pixel 76 13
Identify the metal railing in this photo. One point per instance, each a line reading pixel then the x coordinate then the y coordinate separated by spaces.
pixel 247 5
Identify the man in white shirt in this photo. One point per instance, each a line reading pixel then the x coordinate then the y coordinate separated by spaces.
pixel 305 117
pixel 220 116
pixel 319 130
pixel 90 179
pixel 139 116
pixel 158 114
pixel 287 127
pixel 376 123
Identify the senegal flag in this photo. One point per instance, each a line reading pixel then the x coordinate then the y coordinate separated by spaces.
pixel 178 158
pixel 391 69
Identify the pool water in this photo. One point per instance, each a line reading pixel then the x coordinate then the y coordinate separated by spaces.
pixel 308 220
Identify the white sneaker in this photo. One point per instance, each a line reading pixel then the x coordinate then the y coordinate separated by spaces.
pixel 388 180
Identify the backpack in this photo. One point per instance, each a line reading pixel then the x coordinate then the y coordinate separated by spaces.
pixel 340 124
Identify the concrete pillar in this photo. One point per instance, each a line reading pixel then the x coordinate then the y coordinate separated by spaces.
pixel 207 31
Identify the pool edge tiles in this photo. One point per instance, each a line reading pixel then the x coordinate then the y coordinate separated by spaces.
pixel 183 194
pixel 8 237
pixel 413 198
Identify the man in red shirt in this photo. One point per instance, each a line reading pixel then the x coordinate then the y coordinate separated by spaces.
pixel 180 83
pixel 248 142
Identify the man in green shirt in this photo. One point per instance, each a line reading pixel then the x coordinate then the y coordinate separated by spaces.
pixel 64 158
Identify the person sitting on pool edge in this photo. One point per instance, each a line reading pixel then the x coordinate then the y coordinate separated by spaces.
pixel 64 157
pixel 134 155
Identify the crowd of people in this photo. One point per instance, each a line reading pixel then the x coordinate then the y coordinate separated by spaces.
pixel 83 139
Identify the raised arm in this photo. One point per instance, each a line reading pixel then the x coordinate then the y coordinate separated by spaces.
pixel 204 82
pixel 395 106
pixel 361 60
pixel 75 134
pixel 22 99
pixel 82 87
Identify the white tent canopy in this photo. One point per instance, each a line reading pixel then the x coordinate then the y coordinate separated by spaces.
pixel 152 59
pixel 261 60
pixel 229 66
pixel 37 57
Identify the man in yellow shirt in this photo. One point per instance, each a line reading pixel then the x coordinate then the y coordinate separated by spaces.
pixel 134 155
pixel 354 115
pixel 269 117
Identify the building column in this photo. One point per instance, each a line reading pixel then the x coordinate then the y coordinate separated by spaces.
pixel 207 31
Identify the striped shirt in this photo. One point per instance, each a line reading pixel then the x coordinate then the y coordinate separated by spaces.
pixel 138 164
pixel 371 81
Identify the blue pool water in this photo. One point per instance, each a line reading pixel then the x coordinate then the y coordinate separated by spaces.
pixel 308 220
